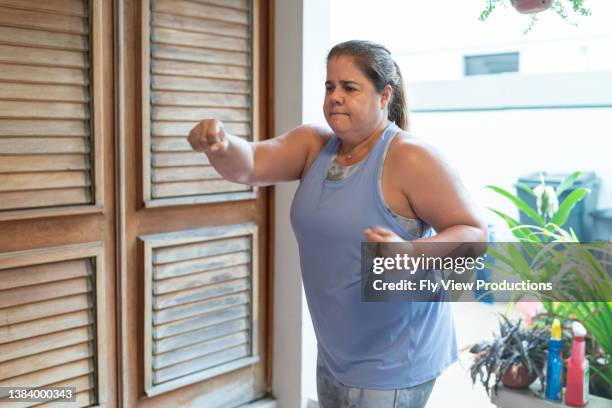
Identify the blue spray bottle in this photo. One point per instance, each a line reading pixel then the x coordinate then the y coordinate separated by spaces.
pixel 554 364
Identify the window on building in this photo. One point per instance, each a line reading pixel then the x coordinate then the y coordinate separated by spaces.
pixel 491 63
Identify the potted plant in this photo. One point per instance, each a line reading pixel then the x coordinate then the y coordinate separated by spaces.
pixel 548 262
pixel 533 7
pixel 515 357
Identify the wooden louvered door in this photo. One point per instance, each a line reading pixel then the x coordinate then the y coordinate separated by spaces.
pixel 57 239
pixel 196 245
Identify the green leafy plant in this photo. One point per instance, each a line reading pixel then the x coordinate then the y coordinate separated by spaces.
pixel 514 346
pixel 549 215
pixel 551 254
pixel 561 7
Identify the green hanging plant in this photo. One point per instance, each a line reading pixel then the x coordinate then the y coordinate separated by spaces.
pixel 563 8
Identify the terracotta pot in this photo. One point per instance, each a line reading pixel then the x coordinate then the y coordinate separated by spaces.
pixel 531 6
pixel 518 377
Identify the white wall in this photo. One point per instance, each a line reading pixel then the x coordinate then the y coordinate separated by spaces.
pixel 301 43
pixel 315 42
pixel 287 331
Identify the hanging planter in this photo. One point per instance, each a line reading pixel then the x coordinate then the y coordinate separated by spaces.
pixel 531 6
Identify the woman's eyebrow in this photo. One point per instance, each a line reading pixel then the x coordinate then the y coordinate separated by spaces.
pixel 343 82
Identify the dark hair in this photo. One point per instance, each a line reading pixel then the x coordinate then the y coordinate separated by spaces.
pixel 375 61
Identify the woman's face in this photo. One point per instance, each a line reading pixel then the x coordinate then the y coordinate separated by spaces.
pixel 352 107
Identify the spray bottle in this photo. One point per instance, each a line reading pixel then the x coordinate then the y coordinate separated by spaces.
pixel 577 388
pixel 554 364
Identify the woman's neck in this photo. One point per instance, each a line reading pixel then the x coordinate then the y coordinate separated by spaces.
pixel 354 152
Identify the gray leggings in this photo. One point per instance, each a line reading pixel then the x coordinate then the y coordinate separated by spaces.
pixel 333 394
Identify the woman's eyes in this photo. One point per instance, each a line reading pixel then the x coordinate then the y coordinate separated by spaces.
pixel 346 88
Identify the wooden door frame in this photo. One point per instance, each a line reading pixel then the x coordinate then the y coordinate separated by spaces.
pixel 120 204
pixel 268 74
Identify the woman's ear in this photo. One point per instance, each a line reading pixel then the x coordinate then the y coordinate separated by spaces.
pixel 387 93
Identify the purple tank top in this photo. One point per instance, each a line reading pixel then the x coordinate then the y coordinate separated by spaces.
pixel 376 345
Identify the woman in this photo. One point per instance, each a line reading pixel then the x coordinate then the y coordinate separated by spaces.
pixel 366 179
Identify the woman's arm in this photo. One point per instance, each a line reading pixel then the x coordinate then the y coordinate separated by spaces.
pixel 436 195
pixel 282 158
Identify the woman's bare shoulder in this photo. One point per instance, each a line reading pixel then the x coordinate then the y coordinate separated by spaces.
pixel 312 137
pixel 409 150
pixel 316 135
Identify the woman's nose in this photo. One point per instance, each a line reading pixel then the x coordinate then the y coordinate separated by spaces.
pixel 337 97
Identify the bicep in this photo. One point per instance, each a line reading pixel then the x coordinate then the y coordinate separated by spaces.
pixel 282 158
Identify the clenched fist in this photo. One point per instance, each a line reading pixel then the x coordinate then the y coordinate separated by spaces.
pixel 208 136
pixel 380 234
pixel 386 243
